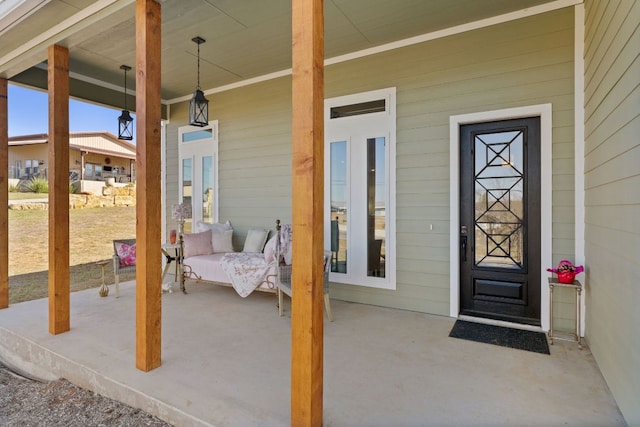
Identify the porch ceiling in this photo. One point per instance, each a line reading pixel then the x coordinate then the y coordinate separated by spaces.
pixel 245 39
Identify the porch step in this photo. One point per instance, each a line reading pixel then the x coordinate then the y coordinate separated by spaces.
pixel 31 360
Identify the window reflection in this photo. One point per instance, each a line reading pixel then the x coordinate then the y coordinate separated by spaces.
pixel 376 207
pixel 207 189
pixel 187 188
pixel 339 191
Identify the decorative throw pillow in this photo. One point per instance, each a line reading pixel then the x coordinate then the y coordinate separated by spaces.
pixel 197 244
pixel 270 249
pixel 126 254
pixel 216 226
pixel 221 235
pixel 255 240
pixel 222 241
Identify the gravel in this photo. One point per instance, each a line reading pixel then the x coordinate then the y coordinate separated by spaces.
pixel 25 402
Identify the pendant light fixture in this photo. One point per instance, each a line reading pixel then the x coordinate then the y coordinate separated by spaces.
pixel 199 105
pixel 125 121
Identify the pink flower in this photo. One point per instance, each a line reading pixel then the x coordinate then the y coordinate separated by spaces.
pixel 566 266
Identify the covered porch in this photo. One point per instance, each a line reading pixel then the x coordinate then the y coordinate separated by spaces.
pixel 226 361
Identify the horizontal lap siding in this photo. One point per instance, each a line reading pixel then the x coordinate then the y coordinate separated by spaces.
pixel 529 61
pixel 254 164
pixel 525 62
pixel 612 198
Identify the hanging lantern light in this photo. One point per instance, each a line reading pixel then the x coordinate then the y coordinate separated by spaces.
pixel 125 121
pixel 199 105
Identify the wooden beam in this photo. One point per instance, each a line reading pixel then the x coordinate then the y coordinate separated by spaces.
pixel 308 205
pixel 58 172
pixel 4 194
pixel 148 191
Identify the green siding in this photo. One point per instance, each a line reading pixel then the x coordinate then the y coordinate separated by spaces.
pixel 612 199
pixel 254 164
pixel 530 61
pixel 525 62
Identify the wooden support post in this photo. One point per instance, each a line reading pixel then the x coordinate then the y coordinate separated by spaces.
pixel 308 204
pixel 4 195
pixel 58 172
pixel 148 191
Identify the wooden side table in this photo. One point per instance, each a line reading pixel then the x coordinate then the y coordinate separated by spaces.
pixel 553 282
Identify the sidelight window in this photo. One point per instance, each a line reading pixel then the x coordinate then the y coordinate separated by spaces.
pixel 359 188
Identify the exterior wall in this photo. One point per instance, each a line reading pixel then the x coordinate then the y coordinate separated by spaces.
pixel 524 62
pixel 612 199
pixel 27 152
pixel 101 143
pixel 254 155
pixel 40 152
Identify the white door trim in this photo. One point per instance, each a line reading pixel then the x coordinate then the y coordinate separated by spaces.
pixel 544 112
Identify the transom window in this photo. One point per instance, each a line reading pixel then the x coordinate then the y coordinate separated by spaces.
pixel 360 188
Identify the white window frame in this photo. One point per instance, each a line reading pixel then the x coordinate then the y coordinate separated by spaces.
pixel 376 124
pixel 196 150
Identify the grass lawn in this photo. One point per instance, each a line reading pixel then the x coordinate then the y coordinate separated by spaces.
pixel 91 235
pixel 25 196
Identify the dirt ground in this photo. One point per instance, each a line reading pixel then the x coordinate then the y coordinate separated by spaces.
pixel 28 403
pixel 91 234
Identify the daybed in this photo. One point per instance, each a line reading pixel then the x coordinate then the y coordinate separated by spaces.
pixel 208 256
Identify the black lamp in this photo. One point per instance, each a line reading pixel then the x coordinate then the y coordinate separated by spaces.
pixel 125 121
pixel 199 105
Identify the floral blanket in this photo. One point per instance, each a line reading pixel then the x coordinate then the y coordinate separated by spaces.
pixel 247 270
pixel 286 250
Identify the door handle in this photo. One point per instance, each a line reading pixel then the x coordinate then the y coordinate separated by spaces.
pixel 463 243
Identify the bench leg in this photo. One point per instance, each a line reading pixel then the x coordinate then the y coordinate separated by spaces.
pixel 327 307
pixel 117 282
pixel 280 302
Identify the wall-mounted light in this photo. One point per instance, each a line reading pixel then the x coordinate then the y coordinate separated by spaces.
pixel 125 121
pixel 199 105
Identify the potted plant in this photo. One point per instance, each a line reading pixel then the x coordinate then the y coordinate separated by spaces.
pixel 566 271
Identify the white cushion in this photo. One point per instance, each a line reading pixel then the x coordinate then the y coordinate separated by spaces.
pixel 216 226
pixel 197 244
pixel 270 249
pixel 255 240
pixel 222 241
pixel 221 235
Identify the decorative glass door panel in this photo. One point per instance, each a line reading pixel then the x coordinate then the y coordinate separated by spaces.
pixel 498 194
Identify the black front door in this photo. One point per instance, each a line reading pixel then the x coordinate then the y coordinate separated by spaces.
pixel 500 220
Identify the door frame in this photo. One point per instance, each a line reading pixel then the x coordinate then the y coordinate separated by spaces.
pixel 193 149
pixel 544 111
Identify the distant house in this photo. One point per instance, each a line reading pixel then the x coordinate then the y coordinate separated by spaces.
pixel 93 156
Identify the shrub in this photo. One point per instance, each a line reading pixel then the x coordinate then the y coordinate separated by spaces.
pixel 38 185
pixel 13 188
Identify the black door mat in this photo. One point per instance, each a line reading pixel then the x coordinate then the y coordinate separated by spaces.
pixel 507 337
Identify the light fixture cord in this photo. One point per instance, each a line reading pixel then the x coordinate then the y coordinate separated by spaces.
pixel 198 67
pixel 125 89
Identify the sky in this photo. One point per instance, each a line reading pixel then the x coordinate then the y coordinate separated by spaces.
pixel 28 114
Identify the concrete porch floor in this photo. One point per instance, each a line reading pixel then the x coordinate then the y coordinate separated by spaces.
pixel 226 360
